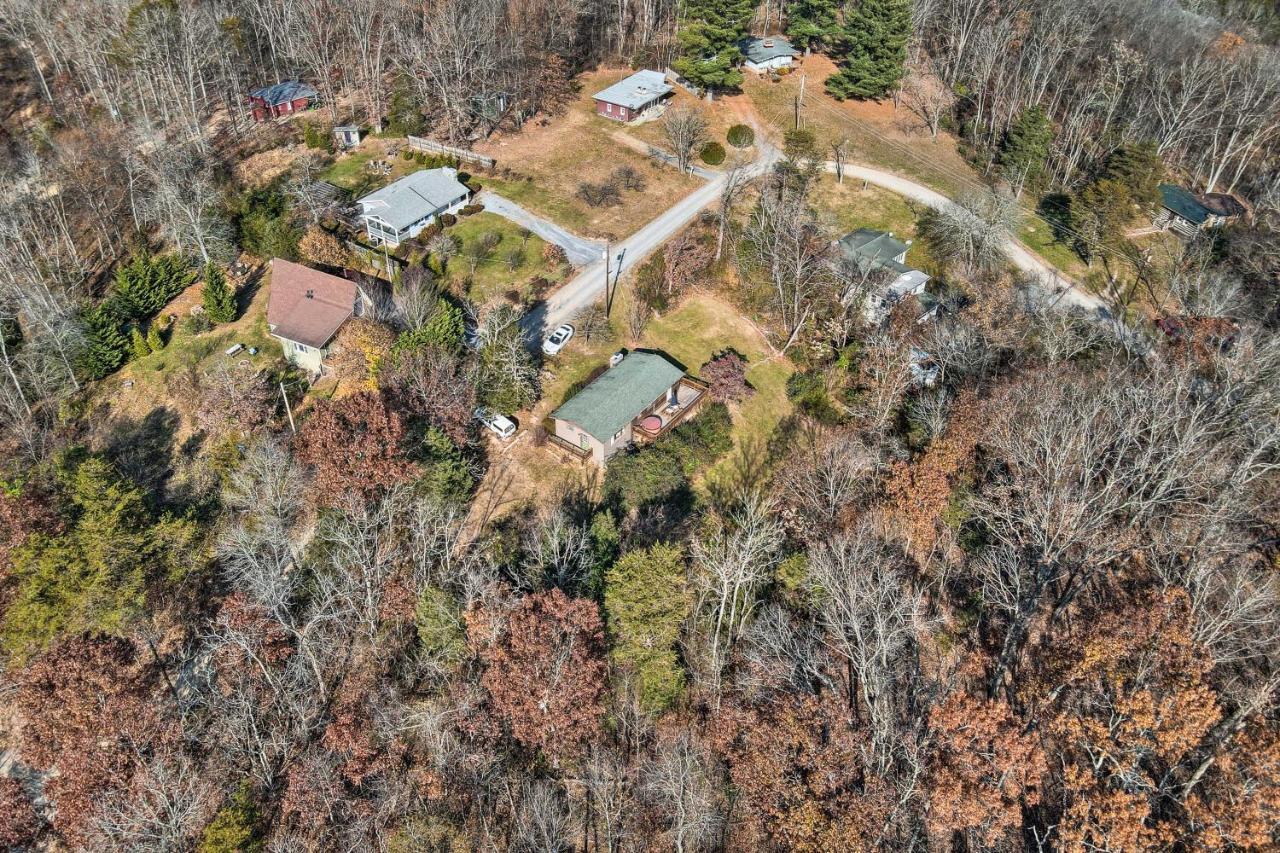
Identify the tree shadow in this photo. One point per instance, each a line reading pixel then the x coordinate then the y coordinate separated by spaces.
pixel 142 450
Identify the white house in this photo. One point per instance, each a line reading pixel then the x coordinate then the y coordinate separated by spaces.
pixel 871 255
pixel 305 310
pixel 766 53
pixel 400 211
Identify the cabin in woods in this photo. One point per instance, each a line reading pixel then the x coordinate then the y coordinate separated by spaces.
pixel 285 98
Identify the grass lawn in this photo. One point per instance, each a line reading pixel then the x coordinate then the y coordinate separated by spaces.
pixel 150 376
pixel 702 326
pixel 878 134
pixel 350 170
pixel 560 153
pixel 493 275
pixel 718 115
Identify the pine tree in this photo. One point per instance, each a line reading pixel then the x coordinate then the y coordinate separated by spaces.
pixel 138 343
pixel 646 598
pixel 1025 148
pixel 872 49
pixel 1139 169
pixel 106 345
pixel 218 298
pixel 812 23
pixel 155 338
pixel 709 54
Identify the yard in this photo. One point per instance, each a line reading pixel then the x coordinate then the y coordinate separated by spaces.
pixel 553 157
pixel 847 207
pixel 491 270
pixel 351 170
pixel 701 326
pixel 143 385
pixel 878 134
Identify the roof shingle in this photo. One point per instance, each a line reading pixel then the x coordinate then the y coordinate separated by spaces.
pixel 307 306
pixel 620 394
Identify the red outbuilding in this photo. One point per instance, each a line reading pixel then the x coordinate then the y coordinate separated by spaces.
pixel 283 98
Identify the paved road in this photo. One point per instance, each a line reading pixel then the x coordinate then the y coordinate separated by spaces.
pixel 1064 290
pixel 579 250
pixel 588 284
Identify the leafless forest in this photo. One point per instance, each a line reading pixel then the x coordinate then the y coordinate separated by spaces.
pixel 1032 603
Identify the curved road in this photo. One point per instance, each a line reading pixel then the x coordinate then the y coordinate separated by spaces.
pixel 589 283
pixel 1068 293
pixel 579 250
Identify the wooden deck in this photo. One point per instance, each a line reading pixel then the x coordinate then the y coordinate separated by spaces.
pixel 689 396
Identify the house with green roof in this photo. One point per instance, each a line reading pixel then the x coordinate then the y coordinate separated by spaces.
pixel 640 397
pixel 1187 213
pixel 874 266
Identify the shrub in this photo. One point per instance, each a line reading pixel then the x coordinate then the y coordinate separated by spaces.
pixel 629 178
pixel 422 159
pixel 471 209
pixel 514 258
pixel 553 254
pixel 463 177
pixel 726 373
pixel 712 154
pixel 406 154
pixel 448 220
pixel 741 136
pixel 138 343
pixel 599 195
pixel 155 337
pixel 430 231
pixel 195 324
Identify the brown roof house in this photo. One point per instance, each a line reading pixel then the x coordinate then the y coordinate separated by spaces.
pixel 641 397
pixel 306 308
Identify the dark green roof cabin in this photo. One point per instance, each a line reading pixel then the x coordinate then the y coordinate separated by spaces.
pixel 598 419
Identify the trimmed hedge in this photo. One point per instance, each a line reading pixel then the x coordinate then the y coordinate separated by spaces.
pixel 470 209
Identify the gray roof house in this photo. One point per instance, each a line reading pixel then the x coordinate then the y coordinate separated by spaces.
pixel 643 396
pixel 1185 212
pixel 400 211
pixel 765 53
pixel 633 96
pixel 867 250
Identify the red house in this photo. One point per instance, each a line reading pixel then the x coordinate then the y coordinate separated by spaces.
pixel 283 98
pixel 630 98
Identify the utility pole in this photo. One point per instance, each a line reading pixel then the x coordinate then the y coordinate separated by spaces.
pixel 608 300
pixel 288 410
pixel 799 100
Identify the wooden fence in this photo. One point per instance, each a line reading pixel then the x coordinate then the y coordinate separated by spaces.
pixel 420 144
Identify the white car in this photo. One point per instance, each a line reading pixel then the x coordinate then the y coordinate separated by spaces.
pixel 499 425
pixel 557 340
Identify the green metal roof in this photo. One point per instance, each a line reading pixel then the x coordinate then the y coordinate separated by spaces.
pixel 1184 203
pixel 869 246
pixel 619 394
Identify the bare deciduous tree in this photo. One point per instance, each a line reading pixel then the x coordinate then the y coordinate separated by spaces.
pixel 685 129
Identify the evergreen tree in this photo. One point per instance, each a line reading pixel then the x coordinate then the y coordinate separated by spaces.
pixel 232 828
pixel 155 338
pixel 147 282
pixel 138 343
pixel 1138 168
pixel 812 23
pixel 872 49
pixel 709 54
pixel 96 575
pixel 106 346
pixel 218 298
pixel 1025 149
pixel 646 599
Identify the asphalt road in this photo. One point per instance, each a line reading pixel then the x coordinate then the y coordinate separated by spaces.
pixel 588 285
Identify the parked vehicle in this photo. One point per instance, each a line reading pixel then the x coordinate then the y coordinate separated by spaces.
pixel 500 425
pixel 556 340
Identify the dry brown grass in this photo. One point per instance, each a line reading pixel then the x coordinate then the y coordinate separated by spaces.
pixel 560 153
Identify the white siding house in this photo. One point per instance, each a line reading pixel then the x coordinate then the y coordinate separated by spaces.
pixel 400 211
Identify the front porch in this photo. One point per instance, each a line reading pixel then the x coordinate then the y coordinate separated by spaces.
pixel 689 394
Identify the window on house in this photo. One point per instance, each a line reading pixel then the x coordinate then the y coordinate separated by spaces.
pixel 617 435
pixel 608 108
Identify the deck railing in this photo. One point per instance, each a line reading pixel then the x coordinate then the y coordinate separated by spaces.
pixel 577 451
pixel 670 422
